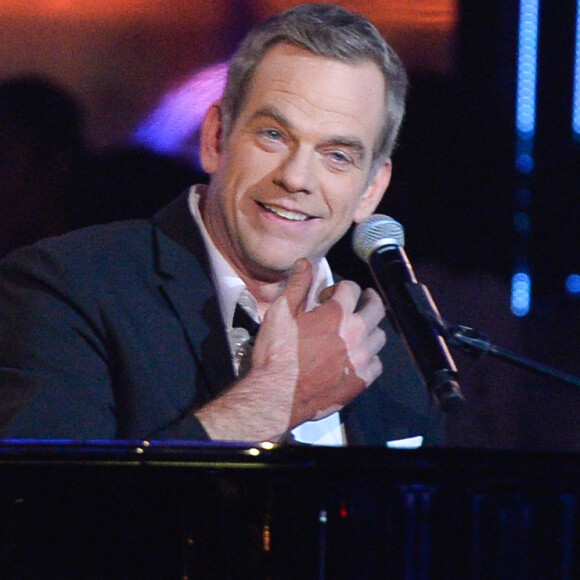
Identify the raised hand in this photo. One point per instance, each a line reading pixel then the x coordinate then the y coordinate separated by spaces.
pixel 305 365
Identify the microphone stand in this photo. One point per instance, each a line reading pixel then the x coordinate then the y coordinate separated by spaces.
pixel 475 343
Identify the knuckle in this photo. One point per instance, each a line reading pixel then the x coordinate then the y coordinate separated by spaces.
pixel 378 367
pixel 382 337
pixel 348 288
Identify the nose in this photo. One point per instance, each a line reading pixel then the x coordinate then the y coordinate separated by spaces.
pixel 295 173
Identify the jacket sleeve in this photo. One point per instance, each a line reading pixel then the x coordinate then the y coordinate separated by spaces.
pixel 83 355
pixel 54 379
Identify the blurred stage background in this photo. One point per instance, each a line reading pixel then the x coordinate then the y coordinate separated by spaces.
pixel 481 196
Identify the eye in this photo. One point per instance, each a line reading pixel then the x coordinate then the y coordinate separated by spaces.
pixel 339 158
pixel 270 138
pixel 271 134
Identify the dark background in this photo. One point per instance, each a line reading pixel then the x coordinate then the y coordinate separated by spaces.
pixel 454 185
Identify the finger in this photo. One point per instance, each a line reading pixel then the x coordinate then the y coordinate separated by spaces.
pixel 372 308
pixel 298 285
pixel 347 294
pixel 376 340
pixel 373 371
pixel 363 355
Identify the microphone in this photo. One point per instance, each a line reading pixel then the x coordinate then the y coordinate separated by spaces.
pixel 379 242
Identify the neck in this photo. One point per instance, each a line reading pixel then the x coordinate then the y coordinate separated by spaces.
pixel 264 292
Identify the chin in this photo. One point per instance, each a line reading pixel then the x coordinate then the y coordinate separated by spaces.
pixel 272 270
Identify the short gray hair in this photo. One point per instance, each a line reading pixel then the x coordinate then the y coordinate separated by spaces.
pixel 329 31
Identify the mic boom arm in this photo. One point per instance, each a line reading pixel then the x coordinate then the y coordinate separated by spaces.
pixel 473 342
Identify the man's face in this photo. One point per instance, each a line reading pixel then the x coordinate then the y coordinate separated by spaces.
pixel 295 171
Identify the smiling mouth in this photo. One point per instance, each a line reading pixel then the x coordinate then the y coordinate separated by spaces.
pixel 285 213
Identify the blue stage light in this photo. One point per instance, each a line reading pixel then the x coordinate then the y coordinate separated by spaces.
pixel 521 294
pixel 525 163
pixel 527 69
pixel 576 88
pixel 573 284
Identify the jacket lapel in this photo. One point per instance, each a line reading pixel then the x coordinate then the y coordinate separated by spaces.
pixel 183 267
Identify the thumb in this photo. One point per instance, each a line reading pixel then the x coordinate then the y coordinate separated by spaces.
pixel 298 285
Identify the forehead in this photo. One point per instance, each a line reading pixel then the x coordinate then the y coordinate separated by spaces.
pixel 322 89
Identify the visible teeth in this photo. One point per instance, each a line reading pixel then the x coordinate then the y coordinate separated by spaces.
pixel 287 214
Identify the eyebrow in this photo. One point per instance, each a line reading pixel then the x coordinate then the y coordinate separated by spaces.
pixel 352 143
pixel 271 113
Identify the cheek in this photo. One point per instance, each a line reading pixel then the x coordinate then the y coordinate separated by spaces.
pixel 252 163
pixel 232 185
pixel 344 210
pixel 245 177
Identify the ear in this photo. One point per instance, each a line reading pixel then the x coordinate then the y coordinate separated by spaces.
pixel 374 192
pixel 210 140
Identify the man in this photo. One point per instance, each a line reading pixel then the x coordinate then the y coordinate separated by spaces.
pixel 121 331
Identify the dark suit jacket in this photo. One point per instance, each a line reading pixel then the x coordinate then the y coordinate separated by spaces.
pixel 114 332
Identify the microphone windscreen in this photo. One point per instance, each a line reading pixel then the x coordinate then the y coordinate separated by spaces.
pixel 375 232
